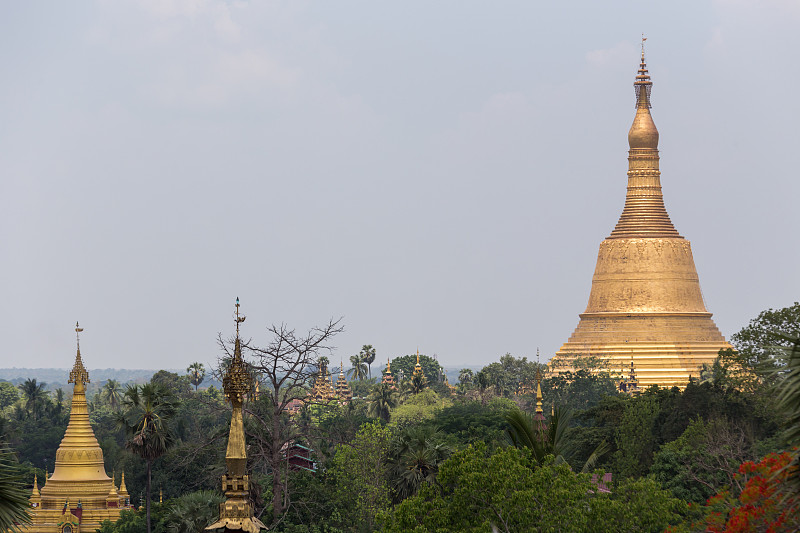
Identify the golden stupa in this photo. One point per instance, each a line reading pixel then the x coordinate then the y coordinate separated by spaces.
pixel 79 494
pixel 236 512
pixel 645 305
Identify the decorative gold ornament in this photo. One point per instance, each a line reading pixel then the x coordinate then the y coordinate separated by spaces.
pixel 388 377
pixel 79 473
pixel 236 513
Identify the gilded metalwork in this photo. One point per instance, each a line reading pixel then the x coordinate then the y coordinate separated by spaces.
pixel 79 474
pixel 78 373
pixel 236 512
pixel 418 368
pixel 388 377
pixel 645 300
pixel 343 392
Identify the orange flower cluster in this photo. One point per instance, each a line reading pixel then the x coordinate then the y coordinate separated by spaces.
pixel 762 505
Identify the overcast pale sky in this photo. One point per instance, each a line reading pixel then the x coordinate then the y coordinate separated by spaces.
pixel 440 174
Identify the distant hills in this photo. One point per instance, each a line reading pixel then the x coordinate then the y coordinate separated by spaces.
pixel 57 377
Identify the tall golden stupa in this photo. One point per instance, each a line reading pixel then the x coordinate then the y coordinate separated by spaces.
pixel 79 494
pixel 645 304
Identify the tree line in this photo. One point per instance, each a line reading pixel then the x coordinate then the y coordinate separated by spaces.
pixel 419 455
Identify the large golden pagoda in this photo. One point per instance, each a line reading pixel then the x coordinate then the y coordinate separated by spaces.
pixel 79 495
pixel 645 305
pixel 236 512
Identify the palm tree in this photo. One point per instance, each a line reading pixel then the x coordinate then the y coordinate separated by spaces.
pixel 418 384
pixel 414 459
pixel 34 395
pixel 381 401
pixel 367 355
pixel 465 376
pixel 57 406
pixel 145 420
pixel 359 370
pixel 197 372
pixel 111 392
pixel 551 438
pixel 192 512
pixel 788 396
pixel 14 502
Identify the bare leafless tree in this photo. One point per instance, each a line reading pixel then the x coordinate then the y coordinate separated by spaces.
pixel 284 368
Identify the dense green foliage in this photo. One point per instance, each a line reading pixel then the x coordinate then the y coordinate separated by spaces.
pixel 430 458
pixel 13 496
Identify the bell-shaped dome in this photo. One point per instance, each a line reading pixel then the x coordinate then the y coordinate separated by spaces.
pixel 643 132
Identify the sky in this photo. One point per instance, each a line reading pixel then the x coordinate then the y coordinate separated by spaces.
pixel 437 174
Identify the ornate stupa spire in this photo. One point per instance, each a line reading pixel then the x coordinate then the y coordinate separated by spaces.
pixel 124 497
pixel 388 378
pixel 343 392
pixel 79 474
pixel 418 367
pixel 538 413
pixel 36 497
pixel 236 512
pixel 79 456
pixel 644 214
pixel 645 300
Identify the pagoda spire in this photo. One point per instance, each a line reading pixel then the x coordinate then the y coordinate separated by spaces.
pixel 79 442
pixel 36 497
pixel 644 214
pixel 539 412
pixel 236 512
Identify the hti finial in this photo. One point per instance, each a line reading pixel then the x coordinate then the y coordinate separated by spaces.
pixel 239 319
pixel 78 373
pixel 78 330
pixel 643 84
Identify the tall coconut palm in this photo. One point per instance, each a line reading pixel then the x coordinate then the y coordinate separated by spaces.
pixel 359 369
pixel 58 404
pixel 414 459
pixel 381 402
pixel 367 355
pixel 14 502
pixel 145 420
pixel 192 512
pixel 197 373
pixel 788 396
pixel 34 395
pixel 465 376
pixel 111 393
pixel 418 384
pixel 549 438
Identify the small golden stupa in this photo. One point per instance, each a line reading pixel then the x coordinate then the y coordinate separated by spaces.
pixel 236 512
pixel 79 494
pixel 645 303
pixel 538 413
